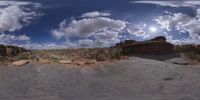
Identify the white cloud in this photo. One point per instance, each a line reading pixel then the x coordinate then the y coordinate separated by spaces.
pixel 88 27
pixel 103 31
pixel 39 46
pixel 23 38
pixel 18 3
pixel 14 15
pixel 170 21
pixel 181 22
pixel 170 3
pixel 106 38
pixel 137 30
pixel 86 43
pixel 182 41
pixel 95 14
pixel 7 39
pixel 99 32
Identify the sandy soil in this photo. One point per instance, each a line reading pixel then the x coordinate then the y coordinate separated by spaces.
pixel 133 79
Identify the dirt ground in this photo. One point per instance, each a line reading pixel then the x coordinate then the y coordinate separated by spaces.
pixel 133 79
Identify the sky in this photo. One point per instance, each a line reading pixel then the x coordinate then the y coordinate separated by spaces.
pixel 57 24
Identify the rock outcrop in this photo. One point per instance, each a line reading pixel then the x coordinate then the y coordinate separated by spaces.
pixel 11 50
pixel 156 46
pixel 159 38
pixel 20 63
pixel 65 62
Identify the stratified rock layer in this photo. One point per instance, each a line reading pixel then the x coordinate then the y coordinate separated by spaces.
pixel 11 50
pixel 157 45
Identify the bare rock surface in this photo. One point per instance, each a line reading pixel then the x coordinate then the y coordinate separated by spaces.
pixel 11 50
pixel 133 79
pixel 65 62
pixel 21 62
pixel 179 61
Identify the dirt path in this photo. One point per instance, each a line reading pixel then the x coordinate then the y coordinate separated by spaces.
pixel 133 79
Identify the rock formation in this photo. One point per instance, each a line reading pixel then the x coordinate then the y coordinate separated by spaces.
pixel 11 50
pixel 157 45
pixel 159 38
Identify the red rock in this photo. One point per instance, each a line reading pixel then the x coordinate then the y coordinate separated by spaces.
pixel 11 50
pixel 157 45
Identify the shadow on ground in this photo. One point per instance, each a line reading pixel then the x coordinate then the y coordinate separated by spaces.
pixel 159 57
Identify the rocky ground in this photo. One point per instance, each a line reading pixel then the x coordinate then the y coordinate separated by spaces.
pixel 156 46
pixel 131 70
pixel 132 79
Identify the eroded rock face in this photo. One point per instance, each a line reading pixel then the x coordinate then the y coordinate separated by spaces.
pixel 3 50
pixel 149 48
pixel 126 42
pixel 159 38
pixel 157 45
pixel 11 50
pixel 20 63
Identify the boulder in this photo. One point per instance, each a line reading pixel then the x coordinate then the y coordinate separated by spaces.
pixel 45 61
pixel 88 62
pixel 65 62
pixel 79 62
pixel 20 63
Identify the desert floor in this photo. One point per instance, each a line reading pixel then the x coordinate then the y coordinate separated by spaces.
pixel 132 79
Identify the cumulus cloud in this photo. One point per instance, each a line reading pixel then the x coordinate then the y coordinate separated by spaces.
pixel 18 3
pixel 182 41
pixel 170 3
pixel 7 39
pixel 88 27
pixel 106 38
pixel 14 15
pixel 86 43
pixel 137 30
pixel 181 22
pixel 95 14
pixel 40 46
pixel 98 31
pixel 93 30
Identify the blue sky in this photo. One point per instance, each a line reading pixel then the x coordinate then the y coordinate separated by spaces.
pixel 49 24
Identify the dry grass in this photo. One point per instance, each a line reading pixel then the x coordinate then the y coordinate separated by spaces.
pixel 99 54
pixel 190 51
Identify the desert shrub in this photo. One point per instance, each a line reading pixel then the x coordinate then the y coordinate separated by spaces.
pixel 185 48
pixel 192 55
pixel 115 54
pixel 102 55
pixel 190 51
pixel 22 57
pixel 198 58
